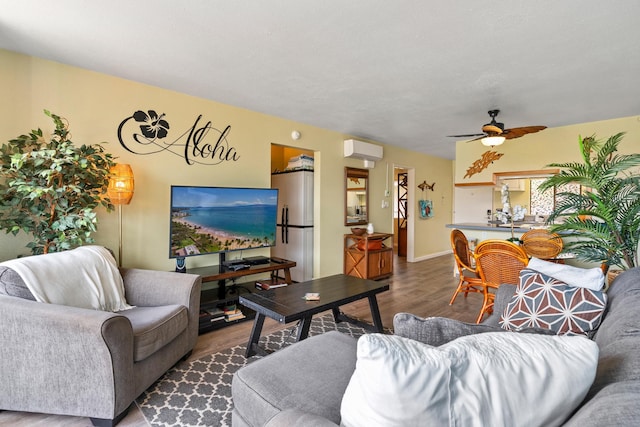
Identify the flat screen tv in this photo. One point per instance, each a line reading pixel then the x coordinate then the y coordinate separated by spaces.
pixel 209 220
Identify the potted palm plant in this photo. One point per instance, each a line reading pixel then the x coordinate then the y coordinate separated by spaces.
pixel 51 188
pixel 602 221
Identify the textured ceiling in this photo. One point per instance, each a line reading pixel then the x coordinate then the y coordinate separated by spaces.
pixel 405 73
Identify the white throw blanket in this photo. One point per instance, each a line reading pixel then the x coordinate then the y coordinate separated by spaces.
pixel 85 277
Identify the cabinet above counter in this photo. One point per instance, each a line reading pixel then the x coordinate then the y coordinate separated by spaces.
pixel 520 184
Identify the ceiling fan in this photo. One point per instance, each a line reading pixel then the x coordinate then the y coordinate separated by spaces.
pixel 494 133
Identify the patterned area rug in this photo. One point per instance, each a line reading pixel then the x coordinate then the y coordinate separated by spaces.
pixel 198 392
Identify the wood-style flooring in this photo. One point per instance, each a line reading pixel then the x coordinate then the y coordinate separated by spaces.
pixel 422 288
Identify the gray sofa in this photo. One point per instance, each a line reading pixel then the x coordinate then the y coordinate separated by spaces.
pixel 303 384
pixel 81 362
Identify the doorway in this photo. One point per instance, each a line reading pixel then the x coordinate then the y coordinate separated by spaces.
pixel 401 217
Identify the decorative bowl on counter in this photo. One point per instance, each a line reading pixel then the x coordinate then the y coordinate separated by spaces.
pixel 358 231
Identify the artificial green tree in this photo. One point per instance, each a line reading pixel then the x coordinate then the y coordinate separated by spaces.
pixel 51 188
pixel 602 222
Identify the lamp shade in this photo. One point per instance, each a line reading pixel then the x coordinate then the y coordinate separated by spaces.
pixel 492 141
pixel 121 185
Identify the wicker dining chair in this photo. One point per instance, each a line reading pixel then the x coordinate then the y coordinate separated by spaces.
pixel 469 279
pixel 542 244
pixel 498 262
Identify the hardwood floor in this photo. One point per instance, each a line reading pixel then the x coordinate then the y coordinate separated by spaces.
pixel 422 288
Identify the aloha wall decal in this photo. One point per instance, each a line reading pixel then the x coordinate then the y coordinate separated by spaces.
pixel 145 133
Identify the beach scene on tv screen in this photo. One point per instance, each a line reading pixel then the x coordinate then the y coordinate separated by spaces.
pixel 207 220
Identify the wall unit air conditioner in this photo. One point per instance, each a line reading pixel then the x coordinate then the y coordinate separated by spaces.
pixel 366 151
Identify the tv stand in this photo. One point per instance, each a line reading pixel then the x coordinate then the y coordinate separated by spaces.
pixel 216 293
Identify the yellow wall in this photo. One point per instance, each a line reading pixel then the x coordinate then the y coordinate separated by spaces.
pixel 529 153
pixel 95 104
pixel 535 151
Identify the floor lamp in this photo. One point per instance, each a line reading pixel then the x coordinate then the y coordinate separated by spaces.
pixel 120 191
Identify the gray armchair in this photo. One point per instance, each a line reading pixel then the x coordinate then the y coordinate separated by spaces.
pixel 72 361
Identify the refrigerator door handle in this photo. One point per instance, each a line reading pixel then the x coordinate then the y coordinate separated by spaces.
pixel 283 226
pixel 286 233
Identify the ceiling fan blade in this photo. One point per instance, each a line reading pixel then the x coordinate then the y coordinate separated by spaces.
pixel 477 138
pixel 497 129
pixel 466 136
pixel 518 132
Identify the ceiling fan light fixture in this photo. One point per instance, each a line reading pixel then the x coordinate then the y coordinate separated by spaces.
pixel 492 141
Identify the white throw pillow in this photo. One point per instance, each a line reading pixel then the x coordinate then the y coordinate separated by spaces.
pixel 488 379
pixel 590 278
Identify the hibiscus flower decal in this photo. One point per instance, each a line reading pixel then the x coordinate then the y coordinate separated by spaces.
pixel 154 126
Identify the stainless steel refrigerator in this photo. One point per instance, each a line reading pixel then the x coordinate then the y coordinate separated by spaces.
pixel 295 221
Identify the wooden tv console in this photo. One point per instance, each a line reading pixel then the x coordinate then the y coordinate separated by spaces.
pixel 217 293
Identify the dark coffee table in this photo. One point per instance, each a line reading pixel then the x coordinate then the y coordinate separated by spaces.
pixel 287 304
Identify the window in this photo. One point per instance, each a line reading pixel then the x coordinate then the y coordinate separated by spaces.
pixel 543 202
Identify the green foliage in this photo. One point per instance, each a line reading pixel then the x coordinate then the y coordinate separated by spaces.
pixel 604 220
pixel 50 189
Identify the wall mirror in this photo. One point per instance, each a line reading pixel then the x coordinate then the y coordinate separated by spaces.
pixel 356 196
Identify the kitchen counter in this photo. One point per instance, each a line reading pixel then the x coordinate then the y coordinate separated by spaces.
pixel 518 227
pixel 480 231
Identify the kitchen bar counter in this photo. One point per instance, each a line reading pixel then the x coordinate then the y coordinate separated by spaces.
pixel 480 231
pixel 484 226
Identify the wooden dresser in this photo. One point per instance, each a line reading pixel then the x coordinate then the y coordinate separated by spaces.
pixel 369 256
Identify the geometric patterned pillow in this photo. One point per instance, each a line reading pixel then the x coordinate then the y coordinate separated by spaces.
pixel 545 302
